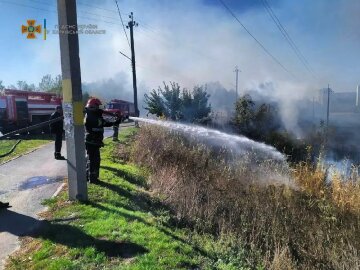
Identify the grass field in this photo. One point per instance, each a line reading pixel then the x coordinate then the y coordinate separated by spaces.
pixel 121 227
pixel 23 147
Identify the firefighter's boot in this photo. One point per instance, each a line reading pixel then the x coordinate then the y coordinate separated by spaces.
pixel 58 156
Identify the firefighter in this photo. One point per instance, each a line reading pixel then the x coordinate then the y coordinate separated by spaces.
pixel 94 134
pixel 116 133
pixel 4 205
pixel 57 129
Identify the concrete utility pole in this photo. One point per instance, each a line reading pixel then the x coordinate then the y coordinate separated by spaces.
pixel 72 99
pixel 237 81
pixel 313 109
pixel 328 107
pixel 131 25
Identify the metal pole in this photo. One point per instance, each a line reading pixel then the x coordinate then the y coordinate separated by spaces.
pixel 72 99
pixel 131 25
pixel 237 80
pixel 328 107
pixel 313 109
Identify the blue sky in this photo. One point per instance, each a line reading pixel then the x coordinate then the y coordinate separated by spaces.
pixel 193 42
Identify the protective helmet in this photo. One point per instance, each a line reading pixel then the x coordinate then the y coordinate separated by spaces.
pixel 93 103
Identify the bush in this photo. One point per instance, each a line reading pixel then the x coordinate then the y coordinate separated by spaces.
pixel 261 122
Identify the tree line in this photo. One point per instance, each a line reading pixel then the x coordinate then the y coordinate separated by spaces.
pixel 256 120
pixel 181 104
pixel 46 84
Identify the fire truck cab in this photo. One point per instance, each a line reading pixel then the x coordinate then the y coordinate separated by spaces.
pixel 19 109
pixel 121 108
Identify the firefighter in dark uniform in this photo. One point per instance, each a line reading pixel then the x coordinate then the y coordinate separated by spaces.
pixel 57 129
pixel 94 135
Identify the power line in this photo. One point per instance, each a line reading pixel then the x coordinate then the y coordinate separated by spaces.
pixel 18 4
pixel 149 28
pixel 81 11
pixel 53 11
pixel 122 22
pixel 97 7
pixel 95 14
pixel 86 5
pixel 286 36
pixel 257 41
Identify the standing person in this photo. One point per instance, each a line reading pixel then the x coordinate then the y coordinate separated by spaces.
pixel 94 135
pixel 116 133
pixel 57 129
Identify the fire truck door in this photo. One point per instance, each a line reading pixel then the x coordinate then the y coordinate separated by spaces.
pixel 22 112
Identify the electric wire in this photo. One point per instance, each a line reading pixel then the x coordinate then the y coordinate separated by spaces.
pixel 256 40
pixel 83 4
pixel 287 37
pixel 97 7
pixel 122 22
pixel 79 10
pixel 54 11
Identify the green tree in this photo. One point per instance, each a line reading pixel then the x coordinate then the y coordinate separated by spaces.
pixel 177 104
pixel 200 103
pixel 172 100
pixel 2 87
pixel 23 85
pixel 46 83
pixel 255 120
pixel 154 103
pixel 57 85
pixel 266 119
pixel 187 104
pixel 52 85
pixel 244 114
pixel 165 102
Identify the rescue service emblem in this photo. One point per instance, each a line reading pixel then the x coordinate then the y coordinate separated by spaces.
pixel 31 29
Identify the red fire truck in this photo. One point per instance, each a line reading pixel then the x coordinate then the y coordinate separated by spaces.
pixel 121 108
pixel 19 109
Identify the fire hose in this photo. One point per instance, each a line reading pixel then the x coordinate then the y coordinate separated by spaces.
pixel 26 129
pixel 33 127
pixel 11 150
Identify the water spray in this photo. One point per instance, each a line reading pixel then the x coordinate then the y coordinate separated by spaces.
pixel 236 143
pixel 263 163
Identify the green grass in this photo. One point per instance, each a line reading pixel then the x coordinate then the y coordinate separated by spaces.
pixel 121 227
pixel 23 147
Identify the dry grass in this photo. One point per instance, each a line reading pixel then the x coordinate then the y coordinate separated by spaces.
pixel 343 193
pixel 303 223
